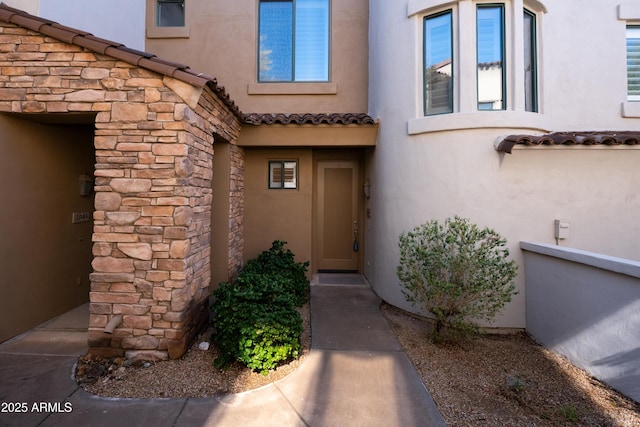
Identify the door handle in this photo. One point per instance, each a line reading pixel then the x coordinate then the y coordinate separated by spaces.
pixel 355 236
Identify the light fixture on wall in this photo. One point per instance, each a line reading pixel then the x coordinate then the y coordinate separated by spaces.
pixel 85 184
pixel 367 189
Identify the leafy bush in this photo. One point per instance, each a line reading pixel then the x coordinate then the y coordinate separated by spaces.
pixel 458 272
pixel 255 318
pixel 281 269
pixel 252 331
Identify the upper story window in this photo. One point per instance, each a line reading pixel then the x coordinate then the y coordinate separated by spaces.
pixel 530 62
pixel 479 56
pixel 633 63
pixel 438 64
pixel 490 57
pixel 170 13
pixel 294 41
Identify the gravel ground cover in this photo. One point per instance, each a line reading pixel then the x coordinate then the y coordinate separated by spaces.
pixel 495 380
pixel 508 380
pixel 193 375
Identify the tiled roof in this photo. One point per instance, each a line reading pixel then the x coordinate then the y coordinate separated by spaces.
pixel 176 70
pixel 309 119
pixel 116 50
pixel 506 143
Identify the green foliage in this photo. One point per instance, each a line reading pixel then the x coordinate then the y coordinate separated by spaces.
pixel 255 318
pixel 279 267
pixel 570 413
pixel 456 271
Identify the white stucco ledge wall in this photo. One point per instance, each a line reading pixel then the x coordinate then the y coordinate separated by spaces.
pixel 516 120
pixel 605 262
pixel 586 307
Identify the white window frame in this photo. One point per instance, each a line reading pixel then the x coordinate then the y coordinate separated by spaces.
pixel 630 15
pixel 465 105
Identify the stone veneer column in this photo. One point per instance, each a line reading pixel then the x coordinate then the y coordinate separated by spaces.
pixel 152 224
pixel 143 230
pixel 236 210
pixel 154 150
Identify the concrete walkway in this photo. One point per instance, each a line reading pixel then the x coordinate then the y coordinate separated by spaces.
pixel 355 375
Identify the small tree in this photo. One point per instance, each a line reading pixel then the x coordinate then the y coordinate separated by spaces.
pixel 458 272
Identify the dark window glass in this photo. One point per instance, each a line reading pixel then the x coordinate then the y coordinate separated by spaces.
pixel 170 13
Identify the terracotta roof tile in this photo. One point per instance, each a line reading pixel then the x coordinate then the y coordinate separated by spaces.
pixel 173 69
pixel 73 30
pixel 506 144
pixel 312 119
pixel 158 67
pixel 57 32
pixel 116 50
pixel 189 77
pixel 91 44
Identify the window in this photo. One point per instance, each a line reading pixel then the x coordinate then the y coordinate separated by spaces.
pixel 170 13
pixel 294 41
pixel 283 174
pixel 478 56
pixel 438 64
pixel 490 57
pixel 633 63
pixel 530 64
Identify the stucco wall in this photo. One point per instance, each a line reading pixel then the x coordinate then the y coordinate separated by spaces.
pixel 102 18
pixel 29 6
pixel 221 41
pixel 586 306
pixel 435 167
pixel 283 214
pixel 44 258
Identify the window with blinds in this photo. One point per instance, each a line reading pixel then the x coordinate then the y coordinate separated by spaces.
pixel 438 64
pixel 294 41
pixel 283 174
pixel 633 63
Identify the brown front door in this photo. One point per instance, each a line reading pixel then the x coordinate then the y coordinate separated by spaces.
pixel 337 228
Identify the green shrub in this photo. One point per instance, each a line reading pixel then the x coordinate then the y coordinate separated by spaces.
pixel 457 272
pixel 251 330
pixel 281 269
pixel 255 318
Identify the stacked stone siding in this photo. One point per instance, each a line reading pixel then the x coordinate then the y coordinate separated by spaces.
pixel 236 211
pixel 154 150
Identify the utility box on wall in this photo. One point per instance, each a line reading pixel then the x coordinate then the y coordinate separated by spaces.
pixel 561 228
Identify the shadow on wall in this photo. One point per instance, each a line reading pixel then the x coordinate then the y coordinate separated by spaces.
pixel 45 257
pixel 627 365
pixel 586 307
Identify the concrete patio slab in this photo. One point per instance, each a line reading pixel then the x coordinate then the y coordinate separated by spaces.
pixel 265 407
pixel 356 374
pixel 360 388
pixel 348 317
